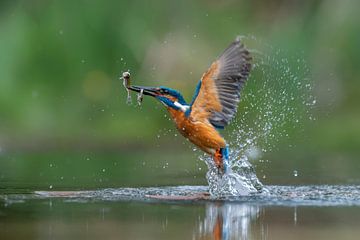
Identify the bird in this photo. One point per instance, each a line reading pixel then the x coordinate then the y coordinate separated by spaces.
pixel 213 105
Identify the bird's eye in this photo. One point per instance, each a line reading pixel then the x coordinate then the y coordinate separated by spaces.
pixel 162 91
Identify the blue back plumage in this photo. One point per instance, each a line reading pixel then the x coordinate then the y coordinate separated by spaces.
pixel 197 90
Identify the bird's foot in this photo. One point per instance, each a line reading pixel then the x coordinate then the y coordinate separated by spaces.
pixel 218 159
pixel 221 159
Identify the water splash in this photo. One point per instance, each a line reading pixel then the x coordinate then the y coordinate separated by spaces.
pixel 276 102
pixel 240 179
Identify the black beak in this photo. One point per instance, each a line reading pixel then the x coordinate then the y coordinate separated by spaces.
pixel 150 91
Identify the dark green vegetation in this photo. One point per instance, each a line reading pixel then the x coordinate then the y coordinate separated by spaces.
pixel 63 118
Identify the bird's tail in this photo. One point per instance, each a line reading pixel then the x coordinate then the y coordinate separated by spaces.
pixel 225 156
pixel 221 158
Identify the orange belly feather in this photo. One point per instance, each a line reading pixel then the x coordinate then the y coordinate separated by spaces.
pixel 202 134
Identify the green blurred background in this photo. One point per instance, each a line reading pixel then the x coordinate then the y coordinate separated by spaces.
pixel 64 123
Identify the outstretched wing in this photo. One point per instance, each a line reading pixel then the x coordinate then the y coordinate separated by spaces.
pixel 218 93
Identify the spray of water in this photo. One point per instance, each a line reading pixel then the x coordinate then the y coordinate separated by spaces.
pixel 277 100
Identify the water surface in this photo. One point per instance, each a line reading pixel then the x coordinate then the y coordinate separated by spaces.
pixel 296 212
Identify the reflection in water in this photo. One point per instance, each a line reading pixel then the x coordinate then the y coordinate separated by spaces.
pixel 232 221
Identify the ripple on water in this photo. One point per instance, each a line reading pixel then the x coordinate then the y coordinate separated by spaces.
pixel 315 195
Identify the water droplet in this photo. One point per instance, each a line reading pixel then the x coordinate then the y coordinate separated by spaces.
pixel 51 186
pixel 295 173
pixel 104 170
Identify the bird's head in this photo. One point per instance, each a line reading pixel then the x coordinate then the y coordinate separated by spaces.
pixel 169 97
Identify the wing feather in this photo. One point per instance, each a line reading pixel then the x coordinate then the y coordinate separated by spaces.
pixel 219 94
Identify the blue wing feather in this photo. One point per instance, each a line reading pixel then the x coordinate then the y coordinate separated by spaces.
pixel 197 90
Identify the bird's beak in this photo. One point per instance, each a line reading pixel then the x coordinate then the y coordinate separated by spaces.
pixel 150 91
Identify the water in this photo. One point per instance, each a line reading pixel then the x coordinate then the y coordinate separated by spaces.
pixel 240 180
pixel 313 195
pixel 302 212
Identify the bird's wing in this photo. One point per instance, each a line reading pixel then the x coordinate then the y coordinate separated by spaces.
pixel 218 92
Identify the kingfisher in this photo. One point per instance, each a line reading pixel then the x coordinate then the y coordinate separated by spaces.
pixel 213 105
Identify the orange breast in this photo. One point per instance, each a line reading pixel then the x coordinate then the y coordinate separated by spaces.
pixel 202 134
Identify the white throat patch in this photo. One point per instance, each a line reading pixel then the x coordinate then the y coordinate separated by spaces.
pixel 183 108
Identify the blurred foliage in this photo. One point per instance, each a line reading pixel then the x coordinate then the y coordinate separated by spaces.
pixel 61 97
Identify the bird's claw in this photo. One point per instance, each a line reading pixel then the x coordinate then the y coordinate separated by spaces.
pixel 220 170
pixel 219 162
